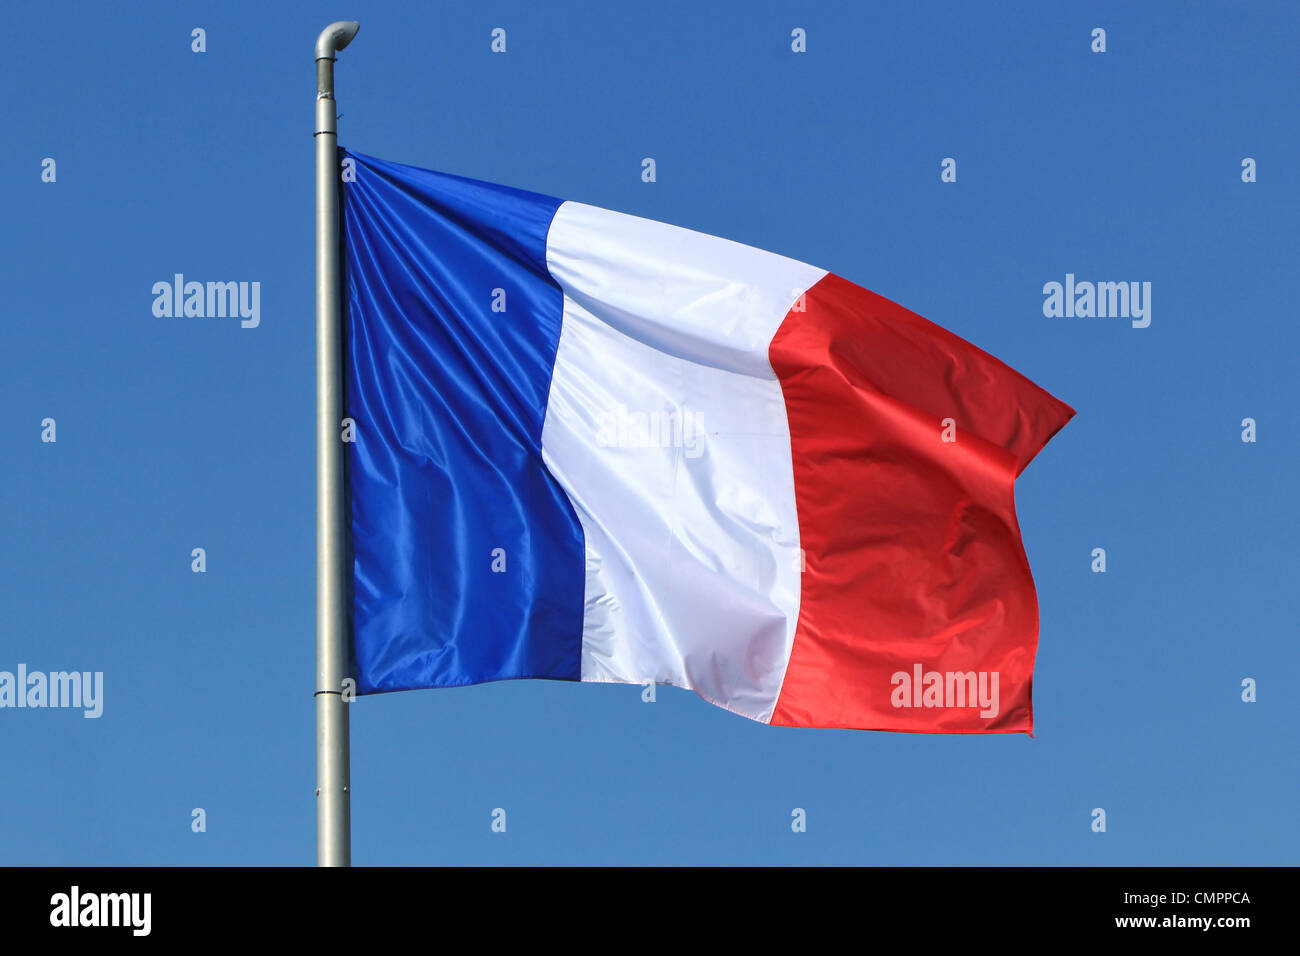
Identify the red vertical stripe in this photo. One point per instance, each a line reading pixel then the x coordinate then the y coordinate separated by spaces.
pixel 913 556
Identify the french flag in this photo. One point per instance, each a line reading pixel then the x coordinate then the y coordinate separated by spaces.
pixel 587 446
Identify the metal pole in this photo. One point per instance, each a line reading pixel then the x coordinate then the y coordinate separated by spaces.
pixel 333 799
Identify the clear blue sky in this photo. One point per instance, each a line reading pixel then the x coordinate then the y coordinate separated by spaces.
pixel 179 433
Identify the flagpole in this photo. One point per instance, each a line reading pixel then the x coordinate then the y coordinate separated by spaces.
pixel 333 798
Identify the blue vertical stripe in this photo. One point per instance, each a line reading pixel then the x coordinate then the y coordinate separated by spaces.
pixel 467 556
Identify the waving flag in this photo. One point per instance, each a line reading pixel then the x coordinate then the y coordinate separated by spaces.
pixel 589 446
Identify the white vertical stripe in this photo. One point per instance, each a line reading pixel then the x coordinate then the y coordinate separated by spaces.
pixel 667 428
